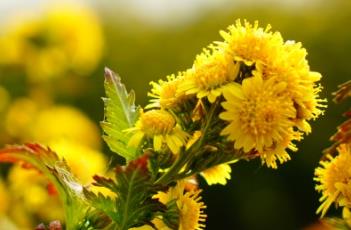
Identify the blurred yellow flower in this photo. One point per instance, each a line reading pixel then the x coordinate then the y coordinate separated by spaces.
pixel 84 161
pixel 260 117
pixel 20 118
pixel 160 126
pixel 334 180
pixel 63 39
pixel 191 208
pixel 218 174
pixel 27 121
pixel 30 198
pixel 29 189
pixel 65 122
pixel 210 72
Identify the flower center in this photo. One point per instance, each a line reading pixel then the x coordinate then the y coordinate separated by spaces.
pixel 157 122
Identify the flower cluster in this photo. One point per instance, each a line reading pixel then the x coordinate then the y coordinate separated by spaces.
pixel 251 95
pixel 264 85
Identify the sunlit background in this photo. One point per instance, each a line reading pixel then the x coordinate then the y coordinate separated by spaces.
pixel 52 56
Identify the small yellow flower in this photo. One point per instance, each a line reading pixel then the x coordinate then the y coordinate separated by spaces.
pixel 250 43
pixel 334 180
pixel 218 174
pixel 210 72
pixel 191 208
pixel 164 93
pixel 160 126
pixel 260 117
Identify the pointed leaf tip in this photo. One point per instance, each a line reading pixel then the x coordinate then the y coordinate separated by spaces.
pixel 108 73
pixel 120 114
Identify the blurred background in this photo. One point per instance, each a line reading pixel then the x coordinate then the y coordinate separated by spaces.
pixel 52 56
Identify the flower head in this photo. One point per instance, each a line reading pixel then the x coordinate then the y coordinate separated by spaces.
pixel 210 72
pixel 334 180
pixel 260 117
pixel 191 208
pixel 218 174
pixel 160 126
pixel 164 93
pixel 250 43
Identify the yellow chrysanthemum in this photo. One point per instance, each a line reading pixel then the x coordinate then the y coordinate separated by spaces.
pixel 292 67
pixel 160 126
pixel 218 174
pixel 260 118
pixel 250 43
pixel 65 38
pixel 346 214
pixel 210 72
pixel 191 209
pixel 164 93
pixel 271 57
pixel 334 180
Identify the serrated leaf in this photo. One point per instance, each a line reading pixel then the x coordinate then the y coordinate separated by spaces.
pixel 120 114
pixel 134 188
pixel 57 171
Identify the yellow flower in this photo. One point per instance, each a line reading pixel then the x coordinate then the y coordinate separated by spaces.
pixel 346 214
pixel 160 126
pixel 210 72
pixel 191 209
pixel 334 180
pixel 271 57
pixel 164 93
pixel 20 117
pixel 66 122
pixel 260 117
pixel 63 39
pixel 250 43
pixel 292 67
pixel 29 189
pixel 218 174
pixel 84 161
pixel 30 198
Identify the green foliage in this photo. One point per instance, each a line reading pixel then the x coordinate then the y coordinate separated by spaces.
pixel 133 205
pixel 58 172
pixel 120 114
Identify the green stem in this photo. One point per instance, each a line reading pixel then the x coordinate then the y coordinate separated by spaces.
pixel 185 156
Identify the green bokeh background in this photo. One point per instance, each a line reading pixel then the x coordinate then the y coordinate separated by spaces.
pixel 256 197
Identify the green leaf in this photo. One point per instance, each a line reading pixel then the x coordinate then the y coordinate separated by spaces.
pixel 120 114
pixel 57 171
pixel 133 205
